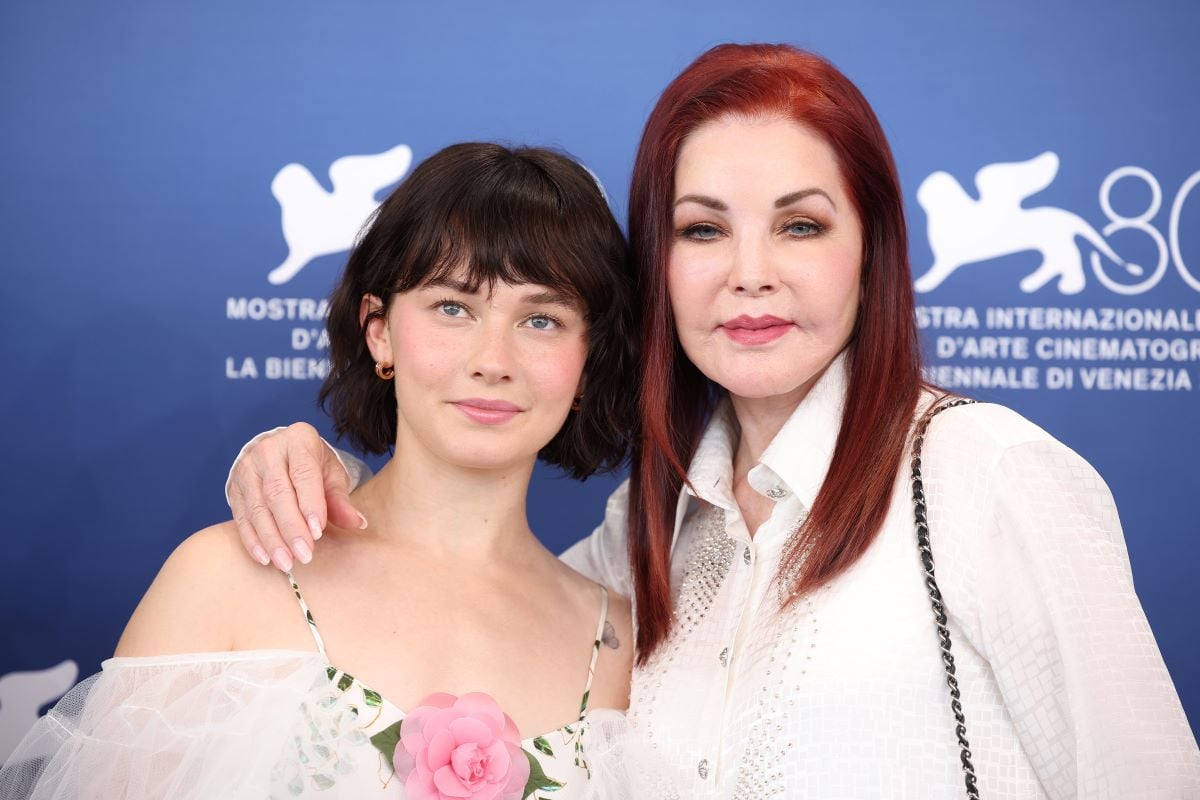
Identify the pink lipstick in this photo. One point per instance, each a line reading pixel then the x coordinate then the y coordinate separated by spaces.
pixel 487 412
pixel 751 331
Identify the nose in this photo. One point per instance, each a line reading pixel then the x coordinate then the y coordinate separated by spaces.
pixel 491 361
pixel 752 273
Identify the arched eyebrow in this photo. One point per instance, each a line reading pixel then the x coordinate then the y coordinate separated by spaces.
pixel 796 197
pixel 704 200
pixel 782 202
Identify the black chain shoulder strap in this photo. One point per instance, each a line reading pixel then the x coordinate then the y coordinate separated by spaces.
pixel 935 594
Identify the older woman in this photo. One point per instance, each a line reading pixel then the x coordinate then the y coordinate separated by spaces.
pixel 782 573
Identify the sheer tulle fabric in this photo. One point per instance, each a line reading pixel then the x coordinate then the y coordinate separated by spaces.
pixel 192 726
pixel 247 725
pixel 626 766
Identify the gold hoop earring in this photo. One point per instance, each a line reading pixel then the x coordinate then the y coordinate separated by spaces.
pixel 385 371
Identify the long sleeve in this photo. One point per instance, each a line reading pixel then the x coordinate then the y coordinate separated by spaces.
pixel 1056 616
pixel 356 468
pixel 604 555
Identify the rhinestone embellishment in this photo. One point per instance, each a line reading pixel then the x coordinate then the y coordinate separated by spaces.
pixel 724 657
pixel 776 492
pixel 702 769
pixel 787 578
pixel 746 555
pixel 704 574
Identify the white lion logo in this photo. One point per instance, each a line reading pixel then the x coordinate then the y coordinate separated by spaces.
pixel 23 693
pixel 963 230
pixel 317 222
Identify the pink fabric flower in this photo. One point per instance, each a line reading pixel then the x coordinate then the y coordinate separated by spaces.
pixel 460 747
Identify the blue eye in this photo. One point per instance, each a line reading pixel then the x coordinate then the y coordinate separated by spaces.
pixel 542 322
pixel 701 232
pixel 451 309
pixel 803 228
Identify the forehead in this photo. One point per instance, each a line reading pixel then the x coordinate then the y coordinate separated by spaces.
pixel 736 155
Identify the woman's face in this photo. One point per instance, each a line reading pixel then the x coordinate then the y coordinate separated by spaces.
pixel 765 262
pixel 484 379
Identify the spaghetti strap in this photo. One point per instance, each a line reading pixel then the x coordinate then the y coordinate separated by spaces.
pixel 312 624
pixel 587 689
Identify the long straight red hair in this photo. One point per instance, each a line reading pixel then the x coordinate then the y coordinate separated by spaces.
pixel 884 353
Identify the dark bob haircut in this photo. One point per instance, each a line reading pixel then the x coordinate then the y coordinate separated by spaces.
pixel 517 216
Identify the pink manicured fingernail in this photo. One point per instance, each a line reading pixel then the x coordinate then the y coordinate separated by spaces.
pixel 283 559
pixel 314 527
pixel 261 556
pixel 300 548
pixel 362 525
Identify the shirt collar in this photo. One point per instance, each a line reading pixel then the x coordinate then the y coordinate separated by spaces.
pixel 799 454
pixel 710 474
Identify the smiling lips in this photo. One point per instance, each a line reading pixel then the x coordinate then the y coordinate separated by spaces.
pixel 487 412
pixel 756 330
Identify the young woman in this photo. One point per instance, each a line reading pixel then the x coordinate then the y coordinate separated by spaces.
pixel 787 646
pixel 484 320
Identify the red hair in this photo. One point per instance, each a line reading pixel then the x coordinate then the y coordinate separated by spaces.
pixel 884 366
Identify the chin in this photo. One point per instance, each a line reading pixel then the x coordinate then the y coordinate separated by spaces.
pixel 484 459
pixel 764 381
pixel 489 449
pixel 760 389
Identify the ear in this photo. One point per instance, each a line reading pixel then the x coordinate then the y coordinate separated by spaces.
pixel 372 318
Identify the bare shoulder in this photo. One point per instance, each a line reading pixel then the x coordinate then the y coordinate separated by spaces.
pixel 618 628
pixel 190 605
pixel 610 688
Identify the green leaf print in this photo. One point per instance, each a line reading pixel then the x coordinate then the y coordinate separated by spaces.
pixel 331 672
pixel 386 740
pixel 374 699
pixel 344 682
pixel 538 782
pixel 543 746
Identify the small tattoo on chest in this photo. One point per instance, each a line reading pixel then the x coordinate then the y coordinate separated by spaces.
pixel 609 637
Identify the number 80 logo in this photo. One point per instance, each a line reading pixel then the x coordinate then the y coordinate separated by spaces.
pixel 1169 250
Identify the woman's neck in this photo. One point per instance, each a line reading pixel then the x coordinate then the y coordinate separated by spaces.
pixel 449 511
pixel 759 421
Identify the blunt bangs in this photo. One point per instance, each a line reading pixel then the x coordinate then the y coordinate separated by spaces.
pixel 470 216
pixel 508 222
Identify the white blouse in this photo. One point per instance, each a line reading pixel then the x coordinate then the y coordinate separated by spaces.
pixel 844 695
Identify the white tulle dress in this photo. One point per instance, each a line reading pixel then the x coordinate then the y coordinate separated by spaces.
pixel 287 724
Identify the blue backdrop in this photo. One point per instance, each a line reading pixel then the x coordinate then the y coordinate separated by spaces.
pixel 145 183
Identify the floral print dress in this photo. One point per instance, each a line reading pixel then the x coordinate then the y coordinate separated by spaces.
pixel 449 747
